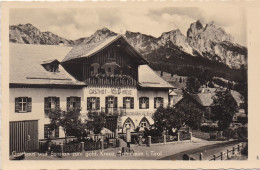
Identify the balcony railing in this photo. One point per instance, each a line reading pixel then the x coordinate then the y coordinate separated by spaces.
pixel 111 79
pixel 115 111
pixel 120 111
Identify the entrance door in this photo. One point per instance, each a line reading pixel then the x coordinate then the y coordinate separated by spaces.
pixel 23 136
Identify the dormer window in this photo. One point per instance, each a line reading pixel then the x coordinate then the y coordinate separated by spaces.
pixel 51 66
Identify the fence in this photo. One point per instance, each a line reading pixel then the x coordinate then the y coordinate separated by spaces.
pixel 224 155
pixel 96 142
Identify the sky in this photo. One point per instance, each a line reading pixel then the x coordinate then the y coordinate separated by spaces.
pixel 74 23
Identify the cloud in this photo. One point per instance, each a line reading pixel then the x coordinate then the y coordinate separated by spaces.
pixel 74 23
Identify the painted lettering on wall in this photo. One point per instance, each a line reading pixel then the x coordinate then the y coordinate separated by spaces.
pixel 114 91
pixel 97 91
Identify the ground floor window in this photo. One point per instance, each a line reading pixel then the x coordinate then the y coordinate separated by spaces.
pixel 144 103
pixel 158 101
pixel 50 133
pixel 129 124
pixel 73 103
pixel 23 104
pixel 93 103
pixel 128 102
pixel 144 123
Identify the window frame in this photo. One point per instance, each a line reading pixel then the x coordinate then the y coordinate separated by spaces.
pixel 51 134
pixel 161 99
pixel 48 102
pixel 144 100
pixel 97 103
pixel 77 103
pixel 27 102
pixel 131 102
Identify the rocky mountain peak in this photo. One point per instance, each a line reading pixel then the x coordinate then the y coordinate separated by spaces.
pixel 208 42
pixel 195 28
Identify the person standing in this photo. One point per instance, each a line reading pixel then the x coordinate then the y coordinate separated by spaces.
pixel 128 136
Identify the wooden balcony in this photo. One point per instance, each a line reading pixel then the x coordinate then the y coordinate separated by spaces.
pixel 104 79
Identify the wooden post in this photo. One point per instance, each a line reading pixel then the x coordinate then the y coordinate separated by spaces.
pixel 178 136
pixel 102 144
pixel 140 140
pixel 214 157
pixel 82 146
pixel 190 136
pixel 221 155
pixel 227 154
pixel 149 140
pixel 61 149
pixel 201 156
pixel 116 133
pixel 164 139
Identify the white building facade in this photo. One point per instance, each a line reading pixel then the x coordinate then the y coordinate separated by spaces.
pixel 109 76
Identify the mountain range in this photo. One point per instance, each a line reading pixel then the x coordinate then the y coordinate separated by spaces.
pixel 205 47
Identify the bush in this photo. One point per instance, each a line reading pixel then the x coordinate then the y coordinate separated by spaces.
pixel 209 128
pixel 242 120
pixel 72 147
pixel 217 136
pixel 242 132
pixel 244 150
pixel 53 147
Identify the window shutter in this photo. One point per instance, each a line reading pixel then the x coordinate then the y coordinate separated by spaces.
pixel 161 101
pixel 106 102
pixel 98 103
pixel 46 104
pixel 115 102
pixel 57 102
pixel 88 103
pixel 140 104
pixel 78 104
pixel 46 127
pixel 68 103
pixel 29 104
pixel 132 103
pixel 124 105
pixel 17 105
pixel 147 102
pixel 155 102
pixel 56 132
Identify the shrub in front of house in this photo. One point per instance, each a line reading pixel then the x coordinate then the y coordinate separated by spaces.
pixel 209 128
pixel 217 136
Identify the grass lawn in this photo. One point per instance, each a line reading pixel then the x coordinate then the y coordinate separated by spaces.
pixel 200 135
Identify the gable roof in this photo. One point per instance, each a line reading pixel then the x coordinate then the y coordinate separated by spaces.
pixel 88 50
pixel 149 79
pixel 26 65
pixel 204 99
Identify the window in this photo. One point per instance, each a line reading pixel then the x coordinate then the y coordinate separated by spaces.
pixel 144 103
pixel 128 102
pixel 50 134
pixel 73 103
pixel 93 103
pixel 158 101
pixel 129 124
pixel 111 102
pixel 51 103
pixel 144 123
pixel 51 66
pixel 23 104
